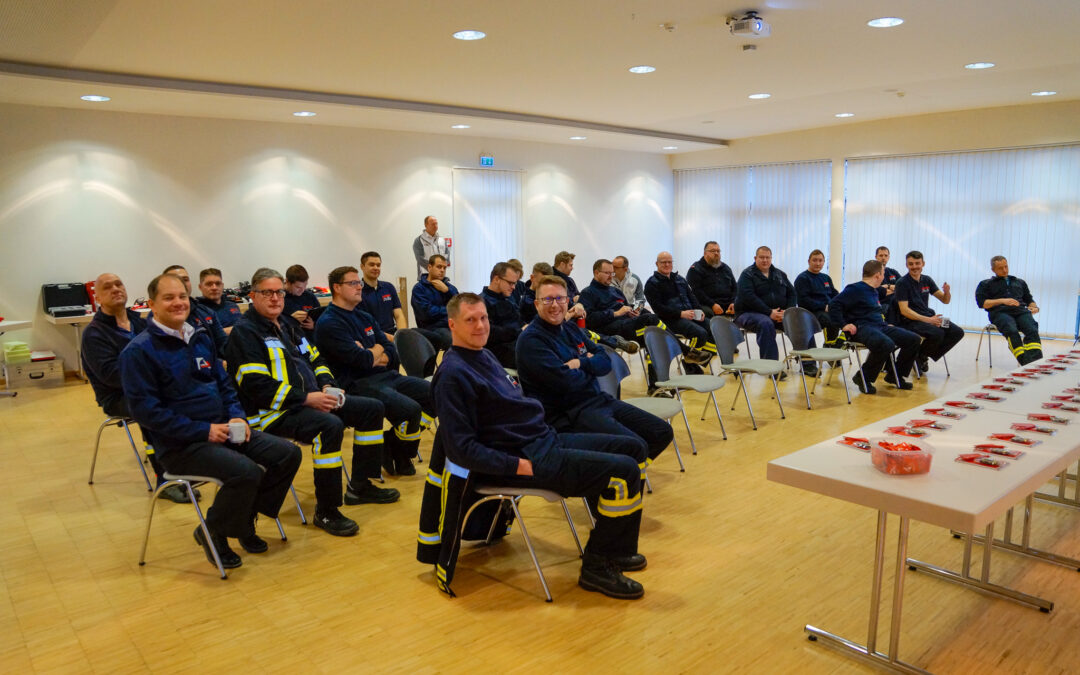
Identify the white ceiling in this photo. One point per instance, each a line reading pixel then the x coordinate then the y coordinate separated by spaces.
pixel 563 59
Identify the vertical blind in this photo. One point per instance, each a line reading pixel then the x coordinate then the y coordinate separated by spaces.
pixel 488 223
pixel 960 209
pixel 782 206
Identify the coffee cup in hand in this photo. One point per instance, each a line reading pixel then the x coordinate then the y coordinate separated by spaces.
pixel 699 315
pixel 237 432
pixel 339 393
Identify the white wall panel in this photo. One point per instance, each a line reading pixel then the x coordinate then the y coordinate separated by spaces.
pixel 488 222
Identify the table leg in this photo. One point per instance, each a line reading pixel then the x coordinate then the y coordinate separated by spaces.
pixel 78 353
pixel 1024 548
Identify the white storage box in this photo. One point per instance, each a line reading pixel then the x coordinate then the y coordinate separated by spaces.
pixel 37 373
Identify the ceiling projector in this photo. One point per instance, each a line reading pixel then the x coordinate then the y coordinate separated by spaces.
pixel 751 25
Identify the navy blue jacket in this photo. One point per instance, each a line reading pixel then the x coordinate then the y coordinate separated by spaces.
pixel 712 285
pixel 176 390
pixel 336 333
pixel 429 304
pixel 761 294
pixel 916 294
pixel 226 312
pixel 997 287
pixel 891 277
pixel 527 306
pixel 571 287
pixel 380 302
pixel 814 291
pixel 486 418
pixel 102 342
pixel 503 317
pixel 857 304
pixel 601 301
pixel 669 296
pixel 542 353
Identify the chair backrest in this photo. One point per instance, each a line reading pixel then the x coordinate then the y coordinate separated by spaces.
pixel 726 336
pixel 662 347
pixel 609 383
pixel 416 352
pixel 315 313
pixel 800 325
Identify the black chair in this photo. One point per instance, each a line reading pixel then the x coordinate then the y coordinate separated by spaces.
pixel 416 352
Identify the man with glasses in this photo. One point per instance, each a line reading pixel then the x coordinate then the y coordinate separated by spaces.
pixel 671 298
pixel 282 381
pixel 429 298
pixel 503 316
pixel 380 297
pixel 200 316
pixel 627 282
pixel 713 283
pixel 558 365
pixel 764 292
pixel 366 364
pixel 212 287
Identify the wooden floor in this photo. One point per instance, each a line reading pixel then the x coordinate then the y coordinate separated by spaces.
pixel 737 566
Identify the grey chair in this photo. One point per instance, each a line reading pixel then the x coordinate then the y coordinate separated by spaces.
pixel 801 325
pixel 779 331
pixel 119 422
pixel 664 408
pixel 664 348
pixel 727 336
pixel 854 347
pixel 918 371
pixel 416 352
pixel 511 496
pixel 988 331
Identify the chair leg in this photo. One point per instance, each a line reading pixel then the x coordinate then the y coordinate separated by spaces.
pixel 648 485
pixel 138 457
pixel 778 401
pixel 689 433
pixel 678 455
pixel 896 375
pixel 97 444
pixel 280 529
pixel 719 419
pixel 592 518
pixel 806 392
pixel 946 362
pixel 738 391
pixel 532 551
pixel 205 529
pixel 573 528
pixel 843 376
pixel 978 349
pixel 299 509
pixel 742 387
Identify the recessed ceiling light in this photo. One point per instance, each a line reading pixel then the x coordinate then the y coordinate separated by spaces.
pixel 642 69
pixel 670 147
pixel 759 96
pixel 1043 93
pixel 459 126
pixel 885 22
pixel 303 113
pixel 95 98
pixel 578 138
pixel 845 115
pixel 470 35
pixel 979 65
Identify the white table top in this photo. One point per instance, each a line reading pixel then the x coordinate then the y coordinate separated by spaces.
pixel 10 324
pixel 953 494
pixel 69 320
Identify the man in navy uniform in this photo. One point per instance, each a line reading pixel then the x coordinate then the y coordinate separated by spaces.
pixel 813 291
pixel 713 283
pixel 212 287
pixel 380 297
pixel 911 307
pixel 429 298
pixel 764 294
pixel 1011 308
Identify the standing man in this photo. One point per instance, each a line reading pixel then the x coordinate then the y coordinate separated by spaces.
pixel 563 266
pixel 180 394
pixel 299 301
pixel 764 293
pixel 627 282
pixel 366 364
pixel 200 315
pixel 429 243
pixel 713 283
pixel 1011 308
pixel 503 316
pixel 498 435
pixel 282 381
pixel 813 291
pixel 858 311
pixel 888 285
pixel 212 287
pixel 671 298
pixel 380 297
pixel 912 302
pixel 429 298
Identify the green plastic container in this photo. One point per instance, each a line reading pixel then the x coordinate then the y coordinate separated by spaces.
pixel 16 352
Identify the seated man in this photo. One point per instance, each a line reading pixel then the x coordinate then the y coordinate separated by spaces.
pixel 1011 308
pixel 429 298
pixel 520 286
pixel 813 291
pixel 713 283
pixel 212 287
pixel 888 285
pixel 282 381
pixel 201 315
pixel 764 293
pixel 499 435
pixel 911 303
pixel 858 311
pixel 503 316
pixel 366 364
pixel 113 327
pixel 180 394
pixel 559 364
pixel 527 306
pixel 563 266
pixel 380 297
pixel 628 283
pixel 671 298
pixel 300 303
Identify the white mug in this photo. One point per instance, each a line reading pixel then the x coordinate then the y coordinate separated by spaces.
pixel 339 393
pixel 699 314
pixel 237 432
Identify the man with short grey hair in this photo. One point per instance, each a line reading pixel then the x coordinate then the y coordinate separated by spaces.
pixel 429 243
pixel 627 282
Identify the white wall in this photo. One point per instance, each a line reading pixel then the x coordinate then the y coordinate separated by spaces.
pixel 84 192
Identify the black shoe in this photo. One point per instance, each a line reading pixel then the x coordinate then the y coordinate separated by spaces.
pixel 697 356
pixel 864 387
pixel 629 563
pixel 628 346
pixel 388 463
pixel 810 370
pixel 229 559
pixel 405 467
pixel 782 376
pixel 254 544
pixel 336 524
pixel 175 493
pixel 692 369
pixel 924 364
pixel 369 494
pixel 602 575
pixel 903 384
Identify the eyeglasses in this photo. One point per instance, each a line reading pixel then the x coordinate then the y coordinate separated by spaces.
pixel 664 262
pixel 266 293
pixel 355 283
pixel 560 299
pixel 504 279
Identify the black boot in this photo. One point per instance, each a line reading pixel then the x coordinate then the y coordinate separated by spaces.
pixel 601 574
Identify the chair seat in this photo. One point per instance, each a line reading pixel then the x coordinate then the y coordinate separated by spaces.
pixel 664 408
pixel 702 384
pixel 756 366
pixel 823 353
pixel 489 490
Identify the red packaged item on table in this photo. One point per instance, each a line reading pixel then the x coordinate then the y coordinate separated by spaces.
pixel 1043 417
pixel 1013 438
pixel 999 450
pixel 906 431
pixel 1071 390
pixel 983 396
pixel 1058 405
pixel 1009 380
pixel 999 387
pixel 979 459
pixel 963 404
pixel 1064 397
pixel 860 443
pixel 1028 426
pixel 942 412
pixel 900 459
pixel 1027 376
pixel 928 424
